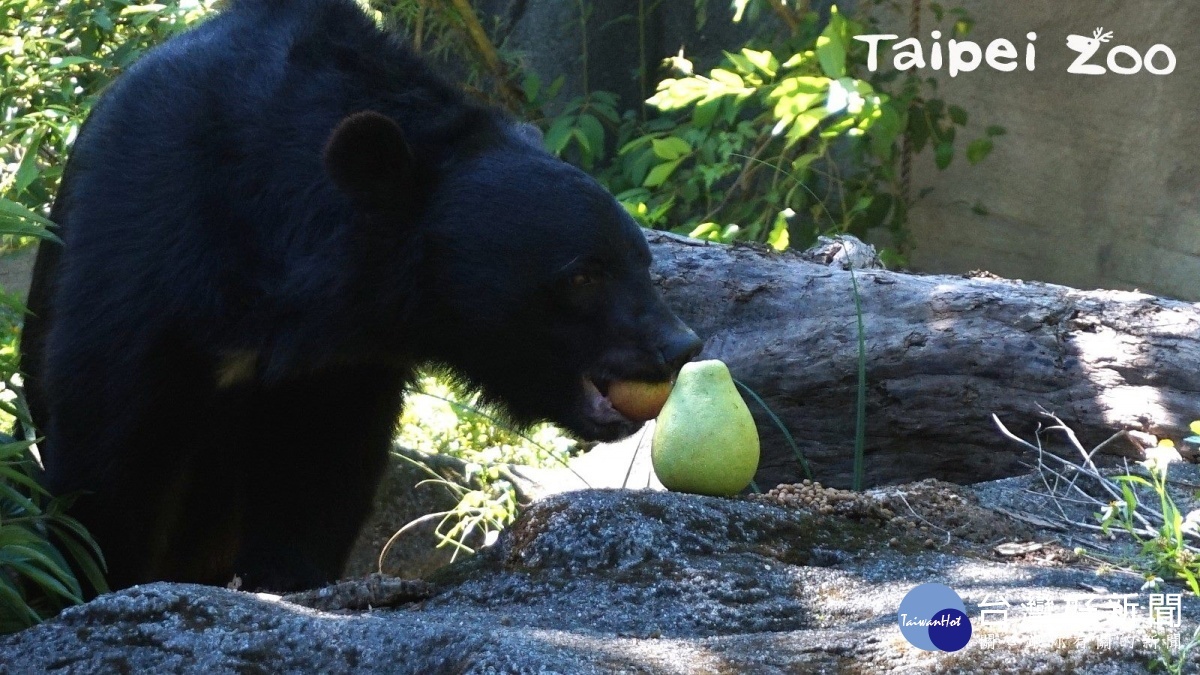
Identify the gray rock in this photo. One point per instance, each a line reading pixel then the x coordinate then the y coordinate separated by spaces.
pixel 606 581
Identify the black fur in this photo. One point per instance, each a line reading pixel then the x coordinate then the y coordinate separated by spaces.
pixel 269 221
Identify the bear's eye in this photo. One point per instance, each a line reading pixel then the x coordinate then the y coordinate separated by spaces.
pixel 581 279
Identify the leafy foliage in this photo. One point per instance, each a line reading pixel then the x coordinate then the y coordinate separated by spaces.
pixel 36 577
pixel 786 142
pixel 790 137
pixel 439 420
pixel 55 58
pixel 41 548
pixel 1171 552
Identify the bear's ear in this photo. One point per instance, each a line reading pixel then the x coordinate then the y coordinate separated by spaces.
pixel 368 159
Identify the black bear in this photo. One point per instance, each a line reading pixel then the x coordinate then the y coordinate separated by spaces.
pixel 269 221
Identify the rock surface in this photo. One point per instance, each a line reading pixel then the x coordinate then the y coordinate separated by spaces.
pixel 605 581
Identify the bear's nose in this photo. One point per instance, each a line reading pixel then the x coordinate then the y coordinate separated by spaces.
pixel 680 347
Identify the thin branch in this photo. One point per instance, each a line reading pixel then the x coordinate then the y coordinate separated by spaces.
pixel 469 23
pixel 790 17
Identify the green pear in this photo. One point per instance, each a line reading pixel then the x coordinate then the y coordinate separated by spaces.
pixel 705 440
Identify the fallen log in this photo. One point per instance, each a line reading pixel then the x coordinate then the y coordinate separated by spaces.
pixel 943 354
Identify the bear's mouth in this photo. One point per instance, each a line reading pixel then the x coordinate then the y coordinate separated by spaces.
pixel 598 408
pixel 614 415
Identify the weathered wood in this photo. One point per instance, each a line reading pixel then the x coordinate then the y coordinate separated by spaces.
pixel 943 354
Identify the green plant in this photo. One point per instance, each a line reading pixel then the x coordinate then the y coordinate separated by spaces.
pixel 55 58
pixel 778 423
pixel 785 141
pixel 487 503
pixel 41 548
pixel 577 132
pixel 1174 661
pixel 438 419
pixel 860 408
pixel 36 578
pixel 1166 551
pixel 1166 536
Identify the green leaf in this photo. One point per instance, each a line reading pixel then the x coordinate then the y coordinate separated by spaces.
pixel 27 171
pixel 958 115
pixel 918 130
pixel 801 84
pixel 635 144
pixel 832 55
pixel 103 20
pixel 38 576
pixel 788 107
pixel 660 174
pixel 884 130
pixel 9 451
pixel 142 9
pixel 831 47
pixel 9 495
pixel 705 112
pixel 532 87
pixel 838 128
pixel 798 59
pixel 590 127
pixel 764 61
pixel 803 161
pixel 979 149
pixel 995 130
pixel 730 80
pixel 12 599
pixel 778 239
pixel 555 86
pixel 559 134
pixel 739 61
pixel 66 61
pixel 18 220
pixel 585 144
pixel 18 229
pixel 805 123
pixel 674 94
pixel 1132 479
pixel 85 559
pixel 944 154
pixel 671 147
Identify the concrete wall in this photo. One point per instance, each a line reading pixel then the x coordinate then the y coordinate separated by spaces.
pixel 1097 183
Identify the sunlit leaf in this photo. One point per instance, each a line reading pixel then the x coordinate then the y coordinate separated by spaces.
pixel 142 9
pixel 778 239
pixel 659 174
pixel 831 48
pixel 764 61
pixel 979 149
pixel 671 147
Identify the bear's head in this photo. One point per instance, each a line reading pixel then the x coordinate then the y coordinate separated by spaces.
pixel 534 284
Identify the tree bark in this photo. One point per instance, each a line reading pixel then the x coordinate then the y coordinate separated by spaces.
pixel 943 353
